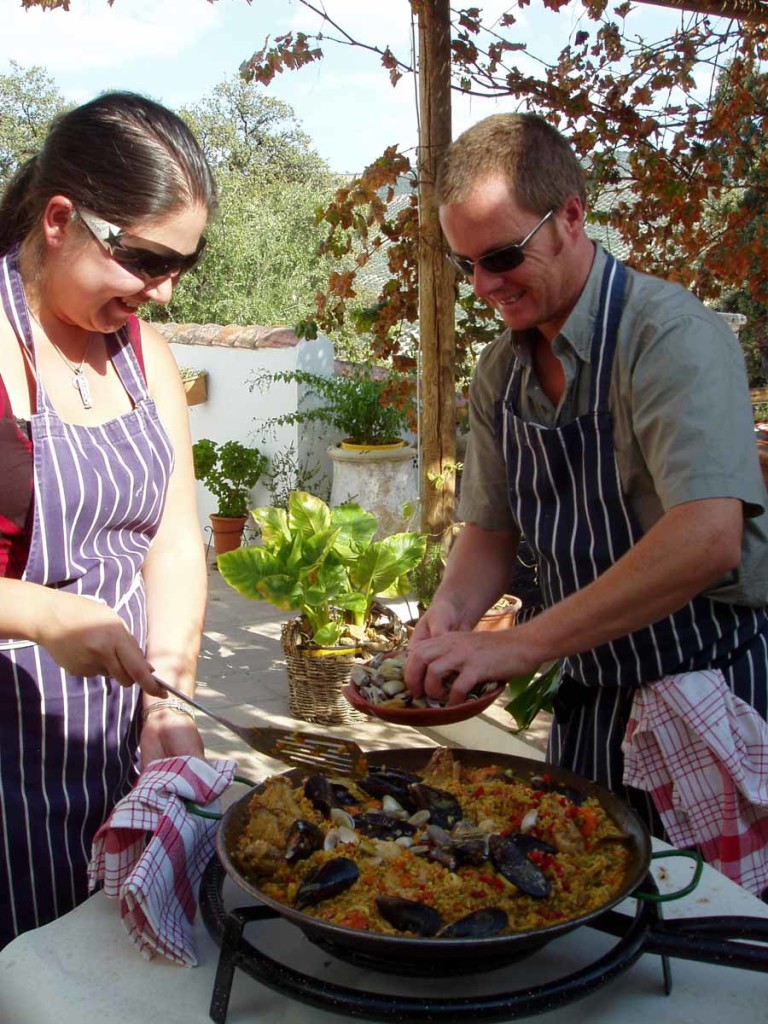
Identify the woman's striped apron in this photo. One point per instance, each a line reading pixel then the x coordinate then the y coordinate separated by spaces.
pixel 566 495
pixel 68 744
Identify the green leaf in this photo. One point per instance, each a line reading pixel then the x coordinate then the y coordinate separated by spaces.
pixel 385 561
pixel 531 694
pixel 307 514
pixel 356 528
pixel 281 591
pixel 274 526
pixel 245 567
pixel 329 635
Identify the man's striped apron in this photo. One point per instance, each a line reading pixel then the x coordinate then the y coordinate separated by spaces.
pixel 68 744
pixel 566 495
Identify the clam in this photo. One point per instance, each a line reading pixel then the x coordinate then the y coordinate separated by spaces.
pixel 381 683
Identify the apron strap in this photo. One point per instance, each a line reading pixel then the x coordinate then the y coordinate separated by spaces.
pixel 605 333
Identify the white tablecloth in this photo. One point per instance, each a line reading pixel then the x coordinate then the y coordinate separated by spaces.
pixel 83 969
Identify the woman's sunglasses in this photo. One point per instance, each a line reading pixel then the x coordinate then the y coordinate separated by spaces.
pixel 146 259
pixel 500 260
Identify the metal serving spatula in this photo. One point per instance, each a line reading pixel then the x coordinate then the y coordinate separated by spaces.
pixel 299 749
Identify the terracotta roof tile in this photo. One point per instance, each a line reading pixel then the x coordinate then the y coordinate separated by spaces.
pixel 231 336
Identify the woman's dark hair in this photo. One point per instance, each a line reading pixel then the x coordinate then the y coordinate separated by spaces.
pixel 122 156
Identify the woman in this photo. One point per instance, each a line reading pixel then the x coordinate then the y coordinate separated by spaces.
pixel 102 571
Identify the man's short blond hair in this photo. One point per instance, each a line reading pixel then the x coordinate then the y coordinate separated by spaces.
pixel 536 160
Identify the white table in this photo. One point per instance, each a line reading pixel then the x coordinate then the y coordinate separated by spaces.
pixel 82 969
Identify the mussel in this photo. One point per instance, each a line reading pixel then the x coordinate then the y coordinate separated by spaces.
pixel 325 881
pixel 526 843
pixel 409 915
pixel 383 826
pixel 324 794
pixel 480 924
pixel 304 837
pixel 444 809
pixel 391 782
pixel 510 862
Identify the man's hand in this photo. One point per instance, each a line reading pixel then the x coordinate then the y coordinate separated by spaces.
pixel 471 657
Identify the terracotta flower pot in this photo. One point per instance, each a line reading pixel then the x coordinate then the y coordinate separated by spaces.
pixel 762 451
pixel 227 532
pixel 502 617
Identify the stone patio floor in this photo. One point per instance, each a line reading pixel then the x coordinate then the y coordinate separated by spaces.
pixel 242 675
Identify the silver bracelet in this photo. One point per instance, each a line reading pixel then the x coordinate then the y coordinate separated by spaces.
pixel 172 704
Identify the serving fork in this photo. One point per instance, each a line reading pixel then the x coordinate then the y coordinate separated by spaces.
pixel 298 749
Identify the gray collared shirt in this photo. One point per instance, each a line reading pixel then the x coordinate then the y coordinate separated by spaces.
pixel 682 418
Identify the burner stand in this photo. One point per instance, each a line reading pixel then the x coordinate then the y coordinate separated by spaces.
pixel 227 928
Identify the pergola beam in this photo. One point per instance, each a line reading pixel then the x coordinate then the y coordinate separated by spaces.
pixel 753 11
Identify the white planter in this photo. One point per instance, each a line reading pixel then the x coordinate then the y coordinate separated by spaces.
pixel 382 481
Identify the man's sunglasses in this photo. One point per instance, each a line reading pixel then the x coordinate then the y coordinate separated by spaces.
pixel 139 256
pixel 500 260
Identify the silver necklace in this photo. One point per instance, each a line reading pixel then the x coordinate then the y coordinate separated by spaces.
pixel 79 380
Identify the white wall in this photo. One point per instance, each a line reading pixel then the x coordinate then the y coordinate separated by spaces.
pixel 233 409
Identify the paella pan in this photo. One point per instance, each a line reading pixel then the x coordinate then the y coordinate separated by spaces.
pixel 452 887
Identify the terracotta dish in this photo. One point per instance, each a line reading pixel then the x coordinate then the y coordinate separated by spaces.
pixel 418 716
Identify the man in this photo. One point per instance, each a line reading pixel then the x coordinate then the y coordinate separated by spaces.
pixel 610 426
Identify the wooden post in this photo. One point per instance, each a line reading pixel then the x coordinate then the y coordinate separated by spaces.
pixel 437 430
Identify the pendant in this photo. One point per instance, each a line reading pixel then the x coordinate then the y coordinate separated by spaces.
pixel 80 381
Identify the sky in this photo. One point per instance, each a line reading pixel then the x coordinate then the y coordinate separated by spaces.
pixel 177 51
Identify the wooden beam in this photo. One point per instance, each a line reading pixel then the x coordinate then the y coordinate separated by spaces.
pixel 754 11
pixel 437 427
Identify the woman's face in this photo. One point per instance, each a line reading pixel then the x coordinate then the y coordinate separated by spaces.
pixel 87 287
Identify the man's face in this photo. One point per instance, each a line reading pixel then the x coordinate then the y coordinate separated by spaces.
pixel 540 291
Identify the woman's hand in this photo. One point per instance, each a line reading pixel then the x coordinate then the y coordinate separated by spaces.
pixel 87 638
pixel 169 733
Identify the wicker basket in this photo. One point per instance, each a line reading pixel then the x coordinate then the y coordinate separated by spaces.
pixel 316 675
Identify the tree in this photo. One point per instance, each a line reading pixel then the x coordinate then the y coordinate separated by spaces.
pixel 248 133
pixel 262 264
pixel 743 163
pixel 29 100
pixel 634 110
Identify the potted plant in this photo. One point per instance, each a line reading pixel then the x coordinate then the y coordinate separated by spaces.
pixel 195 384
pixel 229 471
pixel 326 565
pixel 372 463
pixel 366 410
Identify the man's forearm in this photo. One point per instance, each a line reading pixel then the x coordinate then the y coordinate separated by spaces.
pixel 480 569
pixel 688 550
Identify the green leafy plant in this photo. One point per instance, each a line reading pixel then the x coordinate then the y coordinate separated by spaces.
pixel 428 573
pixel 325 564
pixel 531 694
pixel 229 471
pixel 363 408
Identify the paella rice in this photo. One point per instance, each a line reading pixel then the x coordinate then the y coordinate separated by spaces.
pixel 451 850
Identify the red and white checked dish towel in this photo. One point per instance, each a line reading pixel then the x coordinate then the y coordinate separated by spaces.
pixel 702 754
pixel 152 851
